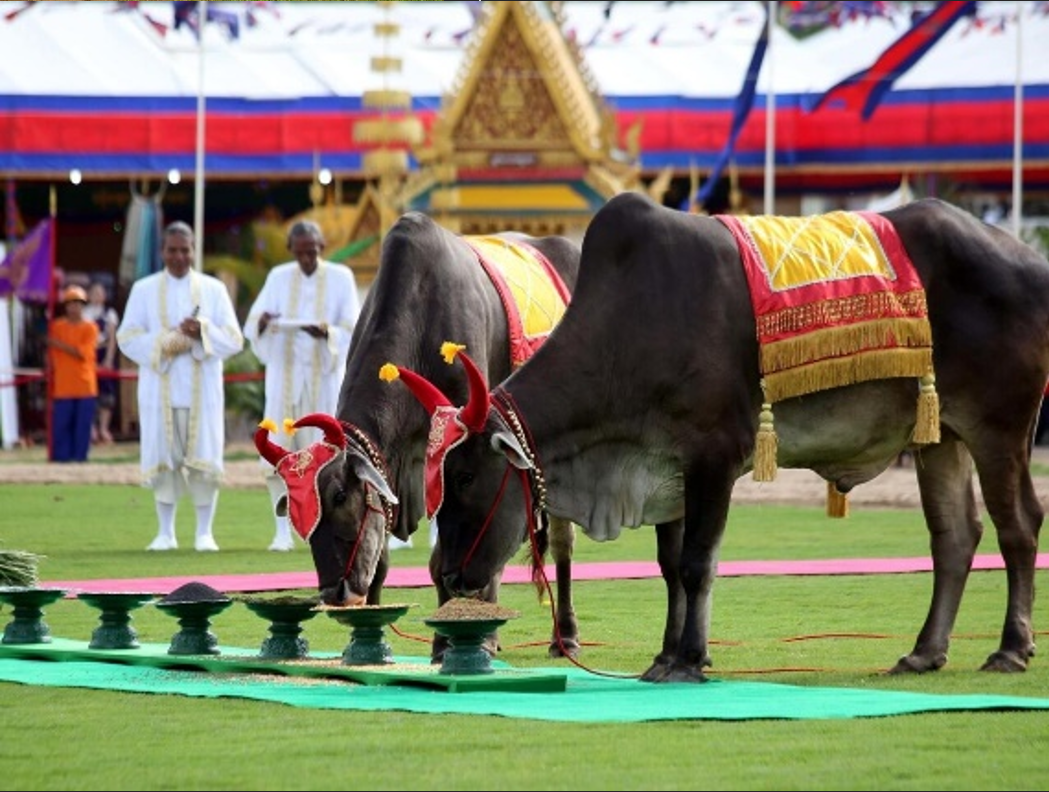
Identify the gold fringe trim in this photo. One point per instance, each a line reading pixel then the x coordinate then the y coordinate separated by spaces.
pixel 767 447
pixel 837 502
pixel 841 371
pixel 832 342
pixel 856 308
pixel 927 427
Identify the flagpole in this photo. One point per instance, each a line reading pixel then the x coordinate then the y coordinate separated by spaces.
pixel 1018 122
pixel 49 378
pixel 198 183
pixel 770 119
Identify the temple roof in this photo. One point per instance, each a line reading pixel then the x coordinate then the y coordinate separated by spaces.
pixel 524 129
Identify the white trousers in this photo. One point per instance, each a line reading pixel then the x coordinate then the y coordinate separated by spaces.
pixel 170 485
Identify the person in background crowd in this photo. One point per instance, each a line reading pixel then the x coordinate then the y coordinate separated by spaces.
pixel 108 320
pixel 179 326
pixel 299 328
pixel 71 343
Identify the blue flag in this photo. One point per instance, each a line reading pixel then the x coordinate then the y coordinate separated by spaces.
pixel 744 103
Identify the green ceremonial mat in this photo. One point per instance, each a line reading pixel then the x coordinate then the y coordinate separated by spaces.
pixel 586 697
pixel 417 672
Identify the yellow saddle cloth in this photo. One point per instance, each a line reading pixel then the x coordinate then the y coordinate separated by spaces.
pixel 837 301
pixel 533 293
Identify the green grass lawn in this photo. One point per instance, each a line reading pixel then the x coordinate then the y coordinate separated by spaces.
pixel 810 631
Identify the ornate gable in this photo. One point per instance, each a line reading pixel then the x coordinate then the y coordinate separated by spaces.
pixel 524 140
pixel 523 98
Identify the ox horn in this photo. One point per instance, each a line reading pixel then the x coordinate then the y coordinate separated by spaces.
pixel 333 431
pixel 269 450
pixel 474 414
pixel 428 394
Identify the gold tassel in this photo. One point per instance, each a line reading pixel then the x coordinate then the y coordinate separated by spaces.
pixel 767 447
pixel 837 502
pixel 927 428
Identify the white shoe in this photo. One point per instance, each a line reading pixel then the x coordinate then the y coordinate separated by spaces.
pixel 282 545
pixel 396 544
pixel 163 543
pixel 206 544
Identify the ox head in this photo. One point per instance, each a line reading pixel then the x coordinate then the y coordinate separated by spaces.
pixel 337 501
pixel 478 475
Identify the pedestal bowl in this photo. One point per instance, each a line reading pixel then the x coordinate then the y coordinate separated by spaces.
pixel 27 605
pixel 367 644
pixel 114 630
pixel 194 604
pixel 466 623
pixel 285 615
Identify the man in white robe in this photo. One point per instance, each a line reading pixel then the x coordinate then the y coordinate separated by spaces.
pixel 300 328
pixel 179 326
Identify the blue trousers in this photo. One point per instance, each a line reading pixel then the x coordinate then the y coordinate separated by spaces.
pixel 71 421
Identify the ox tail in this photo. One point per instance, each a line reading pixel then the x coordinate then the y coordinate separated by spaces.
pixel 540 546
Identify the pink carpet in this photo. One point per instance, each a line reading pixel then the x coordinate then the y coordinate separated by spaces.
pixel 419 577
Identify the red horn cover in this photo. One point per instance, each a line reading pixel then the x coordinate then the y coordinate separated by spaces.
pixel 474 414
pixel 269 450
pixel 333 431
pixel 428 394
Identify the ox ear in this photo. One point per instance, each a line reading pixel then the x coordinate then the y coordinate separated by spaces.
pixel 367 472
pixel 505 442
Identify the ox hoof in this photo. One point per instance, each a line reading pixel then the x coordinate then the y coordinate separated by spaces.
pixel 915 664
pixel 1005 662
pixel 566 647
pixel 674 672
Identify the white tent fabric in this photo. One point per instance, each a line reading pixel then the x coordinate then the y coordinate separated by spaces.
pixel 323 49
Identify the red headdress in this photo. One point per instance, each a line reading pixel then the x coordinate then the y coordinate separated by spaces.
pixel 300 469
pixel 449 425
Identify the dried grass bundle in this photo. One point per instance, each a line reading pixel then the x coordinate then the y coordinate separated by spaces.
pixel 18 568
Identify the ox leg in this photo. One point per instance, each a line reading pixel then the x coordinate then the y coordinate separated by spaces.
pixel 668 553
pixel 1013 506
pixel 708 494
pixel 945 481
pixel 565 639
pixel 490 594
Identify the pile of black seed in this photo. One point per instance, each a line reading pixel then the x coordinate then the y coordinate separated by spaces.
pixel 194 592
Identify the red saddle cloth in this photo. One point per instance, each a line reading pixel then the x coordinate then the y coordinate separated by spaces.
pixel 836 301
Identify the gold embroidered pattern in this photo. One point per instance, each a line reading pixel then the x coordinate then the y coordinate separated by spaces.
pixel 437 425
pixel 303 461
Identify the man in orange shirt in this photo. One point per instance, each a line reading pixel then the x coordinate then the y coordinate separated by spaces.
pixel 74 379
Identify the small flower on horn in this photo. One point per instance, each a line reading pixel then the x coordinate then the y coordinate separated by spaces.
pixel 449 350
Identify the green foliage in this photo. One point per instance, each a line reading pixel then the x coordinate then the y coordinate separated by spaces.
pixel 245 399
pixel 263 247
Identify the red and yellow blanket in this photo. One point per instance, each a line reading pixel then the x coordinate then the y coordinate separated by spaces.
pixel 837 301
pixel 533 293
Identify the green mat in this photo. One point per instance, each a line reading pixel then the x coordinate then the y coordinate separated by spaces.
pixel 416 672
pixel 586 697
